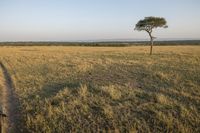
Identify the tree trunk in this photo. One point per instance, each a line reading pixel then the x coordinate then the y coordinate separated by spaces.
pixel 151 49
pixel 151 42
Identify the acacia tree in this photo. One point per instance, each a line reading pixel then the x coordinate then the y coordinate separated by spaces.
pixel 150 23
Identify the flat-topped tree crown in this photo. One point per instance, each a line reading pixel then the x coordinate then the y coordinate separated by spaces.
pixel 148 24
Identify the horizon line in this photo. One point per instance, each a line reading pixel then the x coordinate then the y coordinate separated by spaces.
pixel 108 40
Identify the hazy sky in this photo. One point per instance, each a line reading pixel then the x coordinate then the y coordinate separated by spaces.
pixel 71 20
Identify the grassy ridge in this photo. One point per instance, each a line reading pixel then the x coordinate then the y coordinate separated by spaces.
pixel 85 89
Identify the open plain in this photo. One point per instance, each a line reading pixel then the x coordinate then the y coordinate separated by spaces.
pixel 97 89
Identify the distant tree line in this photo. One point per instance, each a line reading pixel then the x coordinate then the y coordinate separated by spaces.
pixel 103 44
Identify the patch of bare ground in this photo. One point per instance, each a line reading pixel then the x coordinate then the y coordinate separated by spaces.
pixel 9 102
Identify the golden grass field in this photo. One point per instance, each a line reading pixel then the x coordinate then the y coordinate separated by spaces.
pixel 98 89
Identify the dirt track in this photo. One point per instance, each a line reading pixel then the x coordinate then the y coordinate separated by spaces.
pixel 10 102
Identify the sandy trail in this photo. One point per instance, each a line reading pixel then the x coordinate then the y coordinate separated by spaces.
pixel 10 102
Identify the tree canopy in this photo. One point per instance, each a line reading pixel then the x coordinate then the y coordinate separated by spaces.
pixel 148 23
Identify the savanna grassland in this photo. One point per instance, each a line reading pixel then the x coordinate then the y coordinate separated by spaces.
pixel 114 89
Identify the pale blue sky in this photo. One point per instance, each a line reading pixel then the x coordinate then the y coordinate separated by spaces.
pixel 72 20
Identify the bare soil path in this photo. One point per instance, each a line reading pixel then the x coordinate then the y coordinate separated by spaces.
pixel 10 102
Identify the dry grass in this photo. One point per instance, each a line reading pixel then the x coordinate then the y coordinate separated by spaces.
pixel 93 89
